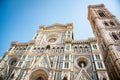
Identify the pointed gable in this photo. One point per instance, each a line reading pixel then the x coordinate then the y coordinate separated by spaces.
pixel 43 61
pixel 83 75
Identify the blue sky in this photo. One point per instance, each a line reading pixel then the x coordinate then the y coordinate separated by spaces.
pixel 19 19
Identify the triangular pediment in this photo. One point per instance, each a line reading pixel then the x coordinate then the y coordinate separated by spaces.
pixel 56 26
pixel 43 62
pixel 83 75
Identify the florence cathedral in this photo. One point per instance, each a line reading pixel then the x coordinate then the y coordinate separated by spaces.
pixel 53 54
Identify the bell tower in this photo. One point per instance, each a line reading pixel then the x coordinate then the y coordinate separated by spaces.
pixel 106 28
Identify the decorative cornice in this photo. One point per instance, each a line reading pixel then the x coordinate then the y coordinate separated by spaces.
pixel 32 42
pixel 84 41
pixel 66 26
pixel 68 40
pixel 94 6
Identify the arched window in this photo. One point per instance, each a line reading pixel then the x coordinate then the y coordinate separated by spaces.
pixel 48 47
pixel 86 48
pixel 100 65
pixel 66 57
pixel 65 78
pixel 38 49
pixel 58 50
pixel 112 23
pixel 66 65
pixel 75 49
pixel 80 49
pixel 94 46
pixel 106 24
pixel 42 50
pixel 39 75
pixel 101 13
pixel 62 49
pixel 115 36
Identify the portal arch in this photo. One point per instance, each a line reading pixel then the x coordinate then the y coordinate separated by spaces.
pixel 39 74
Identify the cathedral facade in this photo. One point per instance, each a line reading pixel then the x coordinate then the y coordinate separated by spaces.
pixel 53 54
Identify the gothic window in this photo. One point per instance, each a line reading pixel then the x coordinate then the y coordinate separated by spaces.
pixel 53 49
pixel 86 48
pixel 66 65
pixel 38 49
pixel 101 13
pixel 80 49
pixel 42 49
pixel 94 46
pixel 58 50
pixel 64 78
pixel 66 57
pixel 48 47
pixel 100 65
pixel 112 23
pixel 75 49
pixel 106 24
pixel 62 49
pixel 68 47
pixel 97 56
pixel 115 36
